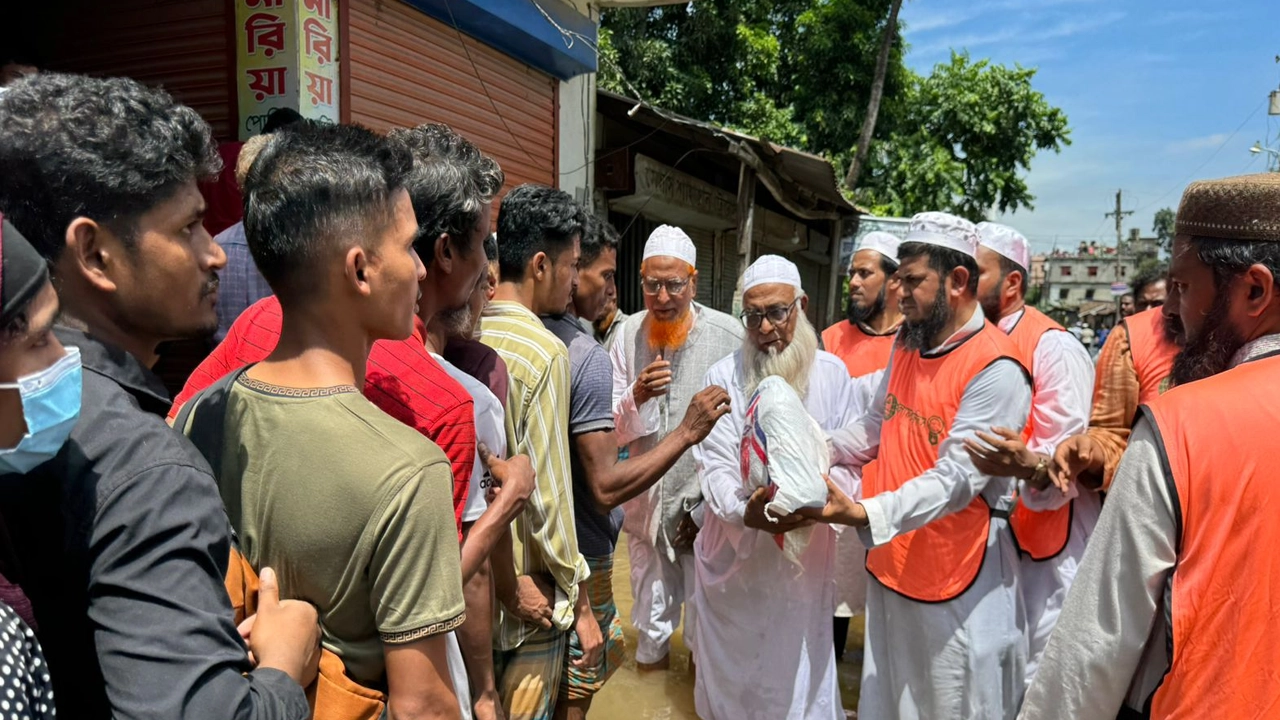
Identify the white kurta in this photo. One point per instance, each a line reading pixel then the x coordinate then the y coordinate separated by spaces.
pixel 1060 405
pixel 963 659
pixel 851 554
pixel 764 626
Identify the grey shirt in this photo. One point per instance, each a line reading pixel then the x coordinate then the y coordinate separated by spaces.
pixel 590 395
pixel 121 542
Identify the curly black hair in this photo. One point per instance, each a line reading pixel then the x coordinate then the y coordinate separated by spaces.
pixel 598 235
pixel 315 186
pixel 534 219
pixel 108 149
pixel 450 185
pixel 1150 276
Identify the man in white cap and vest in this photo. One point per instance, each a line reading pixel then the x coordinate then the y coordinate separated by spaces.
pixel 945 623
pixel 659 358
pixel 1173 612
pixel 864 341
pixel 1051 524
pixel 763 630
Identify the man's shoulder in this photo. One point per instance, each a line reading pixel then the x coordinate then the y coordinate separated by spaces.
pixel 403 373
pixel 725 367
pixel 721 321
pixel 827 362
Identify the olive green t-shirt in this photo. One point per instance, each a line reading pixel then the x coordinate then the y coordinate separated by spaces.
pixel 353 510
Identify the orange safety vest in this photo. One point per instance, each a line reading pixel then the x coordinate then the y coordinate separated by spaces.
pixel 939 561
pixel 1042 535
pixel 1152 354
pixel 1214 437
pixel 863 354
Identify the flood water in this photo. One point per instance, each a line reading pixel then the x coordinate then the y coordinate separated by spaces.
pixel 668 695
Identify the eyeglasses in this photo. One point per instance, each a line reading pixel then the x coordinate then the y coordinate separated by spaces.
pixel 777 315
pixel 653 286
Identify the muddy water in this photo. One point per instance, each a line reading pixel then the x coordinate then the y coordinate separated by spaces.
pixel 668 695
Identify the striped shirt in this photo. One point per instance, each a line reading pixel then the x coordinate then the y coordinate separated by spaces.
pixel 545 539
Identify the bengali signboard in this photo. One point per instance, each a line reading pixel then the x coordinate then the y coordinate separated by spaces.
pixel 286 57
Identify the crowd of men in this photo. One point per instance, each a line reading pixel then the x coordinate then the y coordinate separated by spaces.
pixel 396 486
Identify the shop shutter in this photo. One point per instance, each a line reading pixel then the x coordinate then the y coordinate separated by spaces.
pixel 407 69
pixel 181 45
pixel 705 243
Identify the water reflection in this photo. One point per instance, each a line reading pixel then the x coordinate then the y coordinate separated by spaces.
pixel 668 695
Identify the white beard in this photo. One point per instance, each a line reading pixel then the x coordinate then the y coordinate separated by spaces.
pixel 793 363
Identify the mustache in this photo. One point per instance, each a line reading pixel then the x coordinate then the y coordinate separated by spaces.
pixel 210 286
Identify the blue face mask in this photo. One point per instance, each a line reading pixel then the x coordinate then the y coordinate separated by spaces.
pixel 51 406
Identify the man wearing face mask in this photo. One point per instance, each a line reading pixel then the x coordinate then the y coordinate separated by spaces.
pixel 118 535
pixel 39 404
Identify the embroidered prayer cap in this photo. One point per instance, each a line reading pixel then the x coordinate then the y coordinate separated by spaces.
pixel 769 269
pixel 1245 207
pixel 882 242
pixel 943 230
pixel 22 271
pixel 1005 240
pixel 669 241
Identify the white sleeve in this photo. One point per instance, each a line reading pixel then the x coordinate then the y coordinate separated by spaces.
pixel 998 396
pixel 1097 648
pixel 1060 407
pixel 476 502
pixel 717 459
pixel 629 422
pixel 858 442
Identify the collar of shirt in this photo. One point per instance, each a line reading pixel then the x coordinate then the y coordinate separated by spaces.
pixel 971 327
pixel 119 367
pixel 511 309
pixel 1256 348
pixel 1010 321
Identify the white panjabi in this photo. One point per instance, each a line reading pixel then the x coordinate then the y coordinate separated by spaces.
pixel 943 230
pixel 770 269
pixel 882 242
pixel 670 241
pixel 1006 241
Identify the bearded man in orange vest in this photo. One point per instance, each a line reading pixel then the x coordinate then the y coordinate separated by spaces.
pixel 1174 602
pixel 944 614
pixel 864 342
pixel 1052 525
pixel 1133 367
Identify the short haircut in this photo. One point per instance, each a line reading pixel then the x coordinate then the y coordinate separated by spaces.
pixel 491 248
pixel 535 219
pixel 108 149
pixel 451 183
pixel 1230 258
pixel 598 235
pixel 941 260
pixel 1008 266
pixel 279 119
pixel 1149 277
pixel 315 189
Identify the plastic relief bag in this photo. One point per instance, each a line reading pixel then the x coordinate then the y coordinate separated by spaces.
pixel 783 448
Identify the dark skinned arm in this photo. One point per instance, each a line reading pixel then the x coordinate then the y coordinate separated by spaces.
pixel 612 482
pixel 475 637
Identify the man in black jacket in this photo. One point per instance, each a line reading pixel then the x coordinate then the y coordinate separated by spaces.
pixel 120 540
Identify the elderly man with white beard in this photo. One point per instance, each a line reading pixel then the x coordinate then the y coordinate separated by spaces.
pixel 764 626
pixel 944 615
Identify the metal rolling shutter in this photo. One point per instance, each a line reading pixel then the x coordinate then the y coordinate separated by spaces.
pixel 407 69
pixel 705 243
pixel 181 45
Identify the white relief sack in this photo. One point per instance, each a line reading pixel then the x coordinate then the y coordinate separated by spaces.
pixel 784 448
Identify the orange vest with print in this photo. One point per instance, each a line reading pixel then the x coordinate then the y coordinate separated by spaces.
pixel 1042 535
pixel 862 354
pixel 1152 354
pixel 939 561
pixel 1215 438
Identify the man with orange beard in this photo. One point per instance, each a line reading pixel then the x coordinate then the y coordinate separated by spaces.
pixel 660 356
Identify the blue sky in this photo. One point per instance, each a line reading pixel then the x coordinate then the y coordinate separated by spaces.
pixel 1157 92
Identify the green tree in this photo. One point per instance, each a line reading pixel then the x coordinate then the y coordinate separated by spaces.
pixel 1162 226
pixel 966 135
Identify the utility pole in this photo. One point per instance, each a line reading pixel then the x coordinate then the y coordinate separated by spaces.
pixel 1119 214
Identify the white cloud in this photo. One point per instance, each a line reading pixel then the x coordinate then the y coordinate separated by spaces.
pixel 1207 142
pixel 1021 35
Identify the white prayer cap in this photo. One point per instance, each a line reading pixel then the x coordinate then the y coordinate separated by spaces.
pixel 944 230
pixel 882 242
pixel 668 241
pixel 772 269
pixel 1006 241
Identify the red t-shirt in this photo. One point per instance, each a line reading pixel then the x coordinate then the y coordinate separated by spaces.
pixel 224 205
pixel 401 378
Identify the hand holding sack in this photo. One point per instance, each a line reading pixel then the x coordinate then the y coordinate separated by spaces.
pixel 785 450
